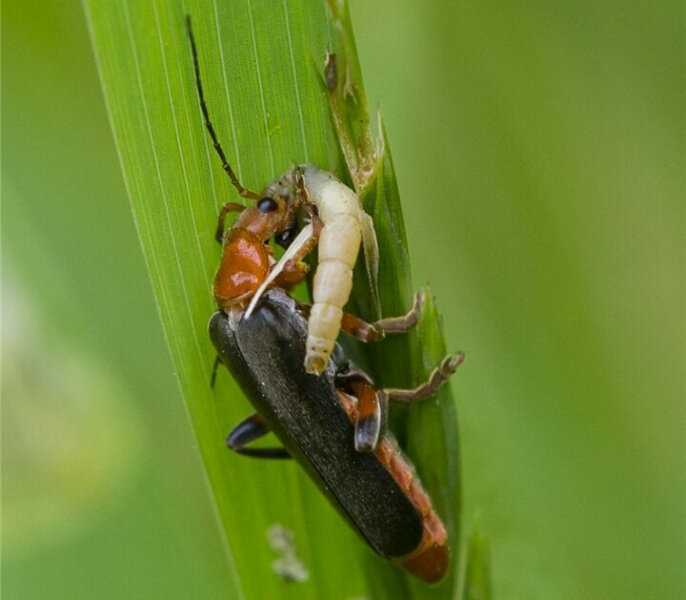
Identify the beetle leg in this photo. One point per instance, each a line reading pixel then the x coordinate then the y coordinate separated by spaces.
pixel 405 322
pixel 374 332
pixel 369 422
pixel 228 207
pixel 293 273
pixel 248 431
pixel 369 412
pixel 215 368
pixel 438 377
pixel 360 329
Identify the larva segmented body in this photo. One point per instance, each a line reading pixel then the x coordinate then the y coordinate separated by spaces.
pixel 344 225
pixel 339 244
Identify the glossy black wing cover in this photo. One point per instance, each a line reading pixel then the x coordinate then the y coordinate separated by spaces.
pixel 265 353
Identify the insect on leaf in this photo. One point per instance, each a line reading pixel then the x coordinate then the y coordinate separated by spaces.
pixel 270 111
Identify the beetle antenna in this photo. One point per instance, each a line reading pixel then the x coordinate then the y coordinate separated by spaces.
pixel 244 192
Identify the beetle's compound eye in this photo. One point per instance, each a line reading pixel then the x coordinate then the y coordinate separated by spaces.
pixel 284 238
pixel 267 205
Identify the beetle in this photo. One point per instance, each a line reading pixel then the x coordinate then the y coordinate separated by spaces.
pixel 333 422
pixel 315 417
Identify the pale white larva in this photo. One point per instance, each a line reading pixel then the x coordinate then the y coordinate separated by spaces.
pixel 344 224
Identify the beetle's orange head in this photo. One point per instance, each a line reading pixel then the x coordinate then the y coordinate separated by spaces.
pixel 271 217
pixel 246 258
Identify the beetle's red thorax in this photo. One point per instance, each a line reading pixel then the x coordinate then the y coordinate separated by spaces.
pixel 244 265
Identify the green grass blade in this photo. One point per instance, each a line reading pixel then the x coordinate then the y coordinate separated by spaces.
pixel 476 582
pixel 268 104
pixel 428 430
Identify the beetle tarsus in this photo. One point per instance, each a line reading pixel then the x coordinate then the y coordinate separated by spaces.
pixel 438 377
pixel 374 332
pixel 248 431
pixel 405 322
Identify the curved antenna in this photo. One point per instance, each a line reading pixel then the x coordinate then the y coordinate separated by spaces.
pixel 244 192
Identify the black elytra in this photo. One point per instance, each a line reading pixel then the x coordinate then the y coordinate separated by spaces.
pixel 265 354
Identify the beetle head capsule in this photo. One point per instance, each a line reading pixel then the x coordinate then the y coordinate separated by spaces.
pixel 246 257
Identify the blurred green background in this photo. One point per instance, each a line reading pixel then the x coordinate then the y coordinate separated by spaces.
pixel 540 154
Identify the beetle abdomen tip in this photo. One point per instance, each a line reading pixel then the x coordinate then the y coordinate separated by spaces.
pixel 430 565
